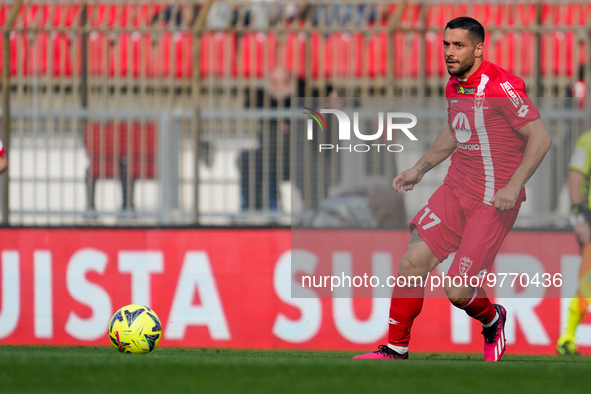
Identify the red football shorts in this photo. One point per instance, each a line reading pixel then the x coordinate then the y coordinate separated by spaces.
pixel 452 222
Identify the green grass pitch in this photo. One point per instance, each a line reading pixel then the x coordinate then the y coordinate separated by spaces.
pixel 28 369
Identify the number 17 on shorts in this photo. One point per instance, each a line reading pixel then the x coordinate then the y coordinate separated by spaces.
pixel 432 219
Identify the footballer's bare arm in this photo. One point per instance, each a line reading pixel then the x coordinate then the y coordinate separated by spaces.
pixel 538 143
pixel 3 163
pixel 443 146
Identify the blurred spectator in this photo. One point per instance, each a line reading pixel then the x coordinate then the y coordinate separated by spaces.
pixel 279 89
pixel 273 141
pixel 578 90
pixel 344 15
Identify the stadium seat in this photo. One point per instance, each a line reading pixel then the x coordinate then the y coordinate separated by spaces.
pixel 343 53
pixel 108 145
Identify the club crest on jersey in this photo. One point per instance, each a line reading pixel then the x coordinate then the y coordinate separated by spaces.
pixel 463 90
pixel 465 264
pixel 479 100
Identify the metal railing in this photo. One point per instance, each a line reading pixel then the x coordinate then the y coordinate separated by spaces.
pixel 147 113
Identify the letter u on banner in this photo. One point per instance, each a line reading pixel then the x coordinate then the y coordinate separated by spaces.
pixel 352 329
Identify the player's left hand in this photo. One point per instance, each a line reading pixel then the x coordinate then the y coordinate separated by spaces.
pixel 505 198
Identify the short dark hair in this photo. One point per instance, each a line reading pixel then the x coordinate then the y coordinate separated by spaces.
pixel 475 29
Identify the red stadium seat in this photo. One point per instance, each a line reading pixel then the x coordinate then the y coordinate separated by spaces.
pixel 149 54
pixel 107 145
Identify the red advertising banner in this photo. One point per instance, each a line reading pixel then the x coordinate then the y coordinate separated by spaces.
pixel 232 288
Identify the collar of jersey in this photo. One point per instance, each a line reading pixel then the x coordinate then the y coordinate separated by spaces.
pixel 474 79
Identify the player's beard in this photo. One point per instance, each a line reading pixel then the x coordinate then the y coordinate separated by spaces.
pixel 463 66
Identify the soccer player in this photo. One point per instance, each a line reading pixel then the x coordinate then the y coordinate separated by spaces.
pixel 498 140
pixel 579 187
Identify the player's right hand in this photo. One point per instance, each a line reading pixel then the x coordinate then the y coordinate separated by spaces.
pixel 407 179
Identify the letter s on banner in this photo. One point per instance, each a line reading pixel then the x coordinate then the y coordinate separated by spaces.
pixel 307 326
pixel 88 293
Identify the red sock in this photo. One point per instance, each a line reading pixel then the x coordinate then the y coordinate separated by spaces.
pixel 406 305
pixel 479 307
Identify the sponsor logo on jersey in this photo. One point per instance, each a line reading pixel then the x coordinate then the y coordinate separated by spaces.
pixel 468 146
pixel 465 264
pixel 482 274
pixel 461 127
pixel 463 90
pixel 523 111
pixel 454 101
pixel 479 100
pixel 512 94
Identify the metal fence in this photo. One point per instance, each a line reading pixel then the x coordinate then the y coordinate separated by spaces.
pixel 174 113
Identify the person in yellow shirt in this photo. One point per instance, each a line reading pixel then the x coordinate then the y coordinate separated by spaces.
pixel 579 187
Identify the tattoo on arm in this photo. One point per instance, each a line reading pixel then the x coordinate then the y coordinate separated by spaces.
pixel 425 168
pixel 415 237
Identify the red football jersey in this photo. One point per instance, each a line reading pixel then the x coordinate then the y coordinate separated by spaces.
pixel 485 111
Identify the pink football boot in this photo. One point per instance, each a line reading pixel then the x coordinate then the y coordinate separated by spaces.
pixel 383 353
pixel 494 337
